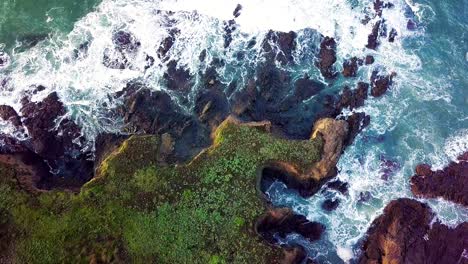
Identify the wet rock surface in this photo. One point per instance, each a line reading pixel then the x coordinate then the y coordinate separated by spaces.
pixel 405 233
pixel 450 183
pixel 380 84
pixel 279 46
pixel 283 221
pixel 7 113
pixel 327 57
pixel 351 66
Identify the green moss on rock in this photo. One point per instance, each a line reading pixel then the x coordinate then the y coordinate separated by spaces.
pixel 138 211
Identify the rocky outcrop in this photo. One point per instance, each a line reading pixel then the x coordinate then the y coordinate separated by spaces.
pixel 334 133
pixel 405 233
pixel 279 46
pixel 7 113
pixel 283 221
pixel 450 183
pixel 372 39
pixel 351 66
pixel 327 57
pixel 380 83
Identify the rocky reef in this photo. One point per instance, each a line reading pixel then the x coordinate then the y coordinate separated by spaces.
pixel 408 232
pixel 450 183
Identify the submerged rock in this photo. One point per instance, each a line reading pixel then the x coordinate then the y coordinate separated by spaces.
pixel 369 59
pixel 330 204
pixel 405 233
pixel 450 183
pixel 125 41
pixel 327 57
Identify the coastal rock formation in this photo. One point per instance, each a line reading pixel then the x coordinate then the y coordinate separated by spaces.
pixel 450 183
pixel 380 83
pixel 351 66
pixel 279 46
pixel 334 133
pixel 7 113
pixel 405 233
pixel 283 221
pixel 327 57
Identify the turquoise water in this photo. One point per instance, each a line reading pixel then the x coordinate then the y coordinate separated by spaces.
pixel 32 20
pixel 423 118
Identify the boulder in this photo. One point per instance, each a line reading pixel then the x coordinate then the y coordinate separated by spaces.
pixel 450 183
pixel 125 41
pixel 407 233
pixel 237 11
pixel 369 59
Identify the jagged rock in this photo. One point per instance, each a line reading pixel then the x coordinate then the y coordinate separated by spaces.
pixel 330 204
pixel 338 185
pixel 229 28
pixel 327 57
pixel 450 183
pixel 283 221
pixel 380 84
pixel 351 66
pixel 125 41
pixel 177 78
pixel 372 39
pixel 167 43
pixel 237 11
pixel 392 36
pixel 334 133
pixel 279 46
pixel 356 123
pixel 7 113
pixel 405 233
pixel 353 98
pixel 57 143
pixel 369 59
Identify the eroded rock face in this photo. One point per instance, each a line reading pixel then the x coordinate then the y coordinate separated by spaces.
pixel 327 57
pixel 404 234
pixel 450 183
pixel 334 133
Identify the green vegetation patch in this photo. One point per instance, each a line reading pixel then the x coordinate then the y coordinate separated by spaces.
pixel 138 211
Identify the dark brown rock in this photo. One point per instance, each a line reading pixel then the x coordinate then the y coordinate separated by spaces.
pixel 404 234
pixel 372 39
pixel 338 185
pixel 304 88
pixel 369 59
pixel 237 11
pixel 177 77
pixel 351 66
pixel 283 221
pixel 450 183
pixel 167 43
pixel 7 113
pixel 327 57
pixel 393 35
pixel 356 123
pixel 353 98
pixel 330 204
pixel 380 84
pixel 279 46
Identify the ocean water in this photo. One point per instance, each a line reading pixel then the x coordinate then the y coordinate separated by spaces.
pixel 423 117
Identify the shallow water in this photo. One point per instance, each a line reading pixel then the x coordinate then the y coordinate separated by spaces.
pixel 423 118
